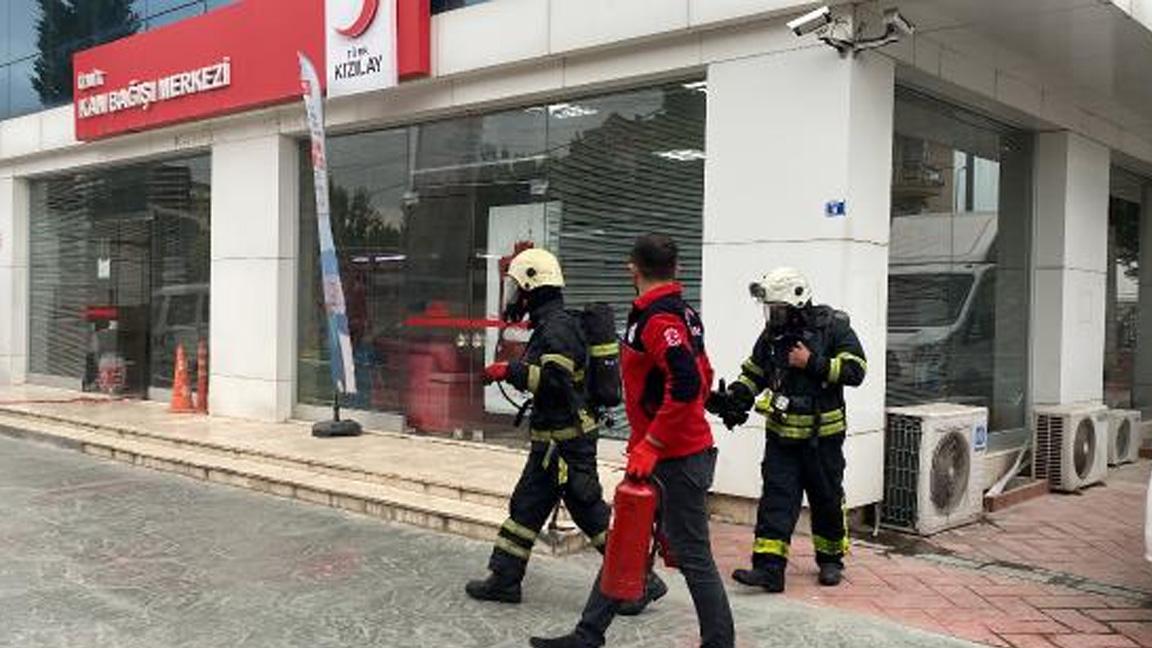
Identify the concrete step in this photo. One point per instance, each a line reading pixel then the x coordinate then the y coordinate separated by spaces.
pixel 238 446
pixel 462 470
pixel 450 510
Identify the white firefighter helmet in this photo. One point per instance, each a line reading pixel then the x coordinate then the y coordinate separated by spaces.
pixel 782 286
pixel 534 268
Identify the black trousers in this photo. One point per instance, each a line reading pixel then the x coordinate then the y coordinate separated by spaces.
pixel 789 470
pixel 685 518
pixel 565 470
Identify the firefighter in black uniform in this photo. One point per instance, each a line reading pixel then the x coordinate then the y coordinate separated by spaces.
pixel 562 462
pixel 795 377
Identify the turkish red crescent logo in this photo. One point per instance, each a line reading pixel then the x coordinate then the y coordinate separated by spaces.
pixel 363 21
pixel 672 337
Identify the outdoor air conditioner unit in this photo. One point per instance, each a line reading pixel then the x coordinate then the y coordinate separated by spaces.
pixel 934 456
pixel 1123 436
pixel 1070 445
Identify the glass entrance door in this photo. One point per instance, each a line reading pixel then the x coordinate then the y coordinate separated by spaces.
pixel 441 330
pixel 119 276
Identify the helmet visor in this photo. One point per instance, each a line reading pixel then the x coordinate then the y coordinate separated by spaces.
pixel 512 301
pixel 776 315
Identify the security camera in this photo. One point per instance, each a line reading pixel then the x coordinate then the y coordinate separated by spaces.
pixel 896 23
pixel 811 21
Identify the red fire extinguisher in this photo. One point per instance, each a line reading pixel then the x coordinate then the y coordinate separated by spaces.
pixel 628 555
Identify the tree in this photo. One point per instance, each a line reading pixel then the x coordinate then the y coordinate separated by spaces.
pixel 67 26
pixel 1126 223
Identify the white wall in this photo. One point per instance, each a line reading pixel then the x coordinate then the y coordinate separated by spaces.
pixel 255 219
pixel 1070 248
pixel 780 147
pixel 13 280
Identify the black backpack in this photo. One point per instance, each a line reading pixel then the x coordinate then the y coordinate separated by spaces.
pixel 602 384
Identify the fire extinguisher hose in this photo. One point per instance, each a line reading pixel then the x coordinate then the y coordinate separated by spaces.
pixel 658 535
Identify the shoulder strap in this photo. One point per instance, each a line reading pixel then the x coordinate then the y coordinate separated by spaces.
pixel 677 308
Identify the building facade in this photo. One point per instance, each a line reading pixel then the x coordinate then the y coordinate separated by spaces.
pixel 973 195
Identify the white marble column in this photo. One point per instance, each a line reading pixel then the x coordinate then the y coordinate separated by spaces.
pixel 255 203
pixel 787 133
pixel 14 217
pixel 1070 257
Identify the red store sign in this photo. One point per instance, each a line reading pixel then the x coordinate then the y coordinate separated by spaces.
pixel 235 58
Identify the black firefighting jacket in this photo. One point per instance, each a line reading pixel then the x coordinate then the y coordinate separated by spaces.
pixel 552 370
pixel 800 402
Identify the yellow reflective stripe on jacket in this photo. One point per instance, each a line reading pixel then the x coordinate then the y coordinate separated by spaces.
pixel 560 360
pixel 561 472
pixel 803 432
pixel 830 547
pixel 563 434
pixel 752 368
pixel 604 350
pixel 512 549
pixel 834 370
pixel 770 547
pixel 800 420
pixel 848 357
pixel 533 378
pixel 836 365
pixel 587 424
pixel 749 383
pixel 519 530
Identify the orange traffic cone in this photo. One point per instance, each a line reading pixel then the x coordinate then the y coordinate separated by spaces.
pixel 202 377
pixel 181 399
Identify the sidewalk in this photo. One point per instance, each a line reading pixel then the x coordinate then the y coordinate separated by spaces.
pixel 1063 570
pixel 436 483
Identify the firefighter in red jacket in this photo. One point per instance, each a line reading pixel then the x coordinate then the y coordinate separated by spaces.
pixel 667 378
pixel 795 377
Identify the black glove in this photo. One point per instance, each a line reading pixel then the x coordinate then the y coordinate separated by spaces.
pixel 721 404
pixel 734 418
pixel 718 402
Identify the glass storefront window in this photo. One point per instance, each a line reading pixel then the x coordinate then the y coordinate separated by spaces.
pixel 440 6
pixel 1122 316
pixel 119 274
pixel 958 269
pixel 36 49
pixel 422 217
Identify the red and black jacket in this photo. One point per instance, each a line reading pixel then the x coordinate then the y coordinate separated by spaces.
pixel 667 375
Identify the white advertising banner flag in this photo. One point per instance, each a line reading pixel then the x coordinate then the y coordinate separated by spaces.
pixel 340 342
pixel 361 45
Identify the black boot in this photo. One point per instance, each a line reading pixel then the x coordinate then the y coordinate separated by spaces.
pixel 654 590
pixel 770 578
pixel 567 641
pixel 831 574
pixel 495 588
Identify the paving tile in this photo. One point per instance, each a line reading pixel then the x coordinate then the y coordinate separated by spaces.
pixel 1131 614
pixel 1028 641
pixel 961 596
pixel 1018 626
pixel 1092 641
pixel 1077 621
pixel 1140 632
pixel 1015 588
pixel 1075 601
pixel 1017 608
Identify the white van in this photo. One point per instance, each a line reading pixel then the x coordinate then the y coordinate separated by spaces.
pixel 941 315
pixel 179 316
